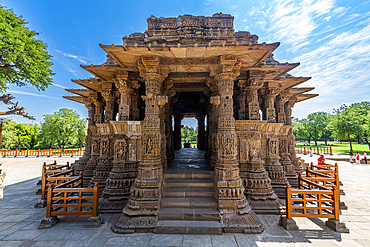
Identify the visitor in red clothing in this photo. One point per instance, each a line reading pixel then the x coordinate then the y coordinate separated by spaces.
pixel 321 159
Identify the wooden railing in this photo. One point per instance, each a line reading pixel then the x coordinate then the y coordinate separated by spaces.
pixel 315 150
pixel 62 199
pixel 320 202
pixel 42 153
pixel 318 196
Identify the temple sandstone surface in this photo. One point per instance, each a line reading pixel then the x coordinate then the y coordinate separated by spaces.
pixel 190 66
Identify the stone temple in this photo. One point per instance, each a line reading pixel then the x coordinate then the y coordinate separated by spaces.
pixel 190 66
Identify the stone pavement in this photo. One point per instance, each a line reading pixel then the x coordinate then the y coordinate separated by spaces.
pixel 19 220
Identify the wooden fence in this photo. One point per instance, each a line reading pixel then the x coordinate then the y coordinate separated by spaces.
pixel 42 153
pixel 315 150
pixel 62 199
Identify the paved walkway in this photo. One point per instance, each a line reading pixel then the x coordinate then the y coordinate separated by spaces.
pixel 19 220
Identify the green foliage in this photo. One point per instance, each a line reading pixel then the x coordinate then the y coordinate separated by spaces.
pixel 347 122
pixel 189 134
pixel 62 127
pixel 19 136
pixel 23 58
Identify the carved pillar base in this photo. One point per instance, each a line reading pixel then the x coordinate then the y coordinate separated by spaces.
pixel 117 190
pixel 277 175
pixel 246 223
pixel 104 165
pixel 258 189
pixel 297 166
pixel 2 177
pixel 126 224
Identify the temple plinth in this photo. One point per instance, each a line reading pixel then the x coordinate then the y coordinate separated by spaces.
pixel 182 67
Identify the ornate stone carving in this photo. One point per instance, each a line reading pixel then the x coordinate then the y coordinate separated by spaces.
pixel 120 149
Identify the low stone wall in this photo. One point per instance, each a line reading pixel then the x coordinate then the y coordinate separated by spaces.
pixel 362 161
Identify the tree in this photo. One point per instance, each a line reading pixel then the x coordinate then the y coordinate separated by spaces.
pixel 345 123
pixel 81 132
pixel 23 58
pixel 14 109
pixel 60 127
pixel 19 136
pixel 316 124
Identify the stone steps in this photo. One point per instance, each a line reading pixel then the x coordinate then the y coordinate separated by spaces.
pixel 188 227
pixel 197 214
pixel 188 193
pixel 187 183
pixel 188 204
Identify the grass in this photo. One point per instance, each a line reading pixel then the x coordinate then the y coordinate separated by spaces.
pixel 338 147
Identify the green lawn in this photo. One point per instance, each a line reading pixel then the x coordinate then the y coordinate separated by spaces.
pixel 338 147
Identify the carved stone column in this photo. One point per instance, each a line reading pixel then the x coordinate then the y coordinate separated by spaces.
pixel 280 105
pixel 201 133
pixel 291 138
pixel 80 164
pixel 106 155
pixel 107 94
pixel 140 213
pixel 177 132
pixel 273 167
pixel 240 100
pixel 123 84
pixel 214 102
pixel 236 214
pixel 258 188
pixel 122 176
pixel 285 156
pixel 254 83
pixel 269 113
pixel 95 141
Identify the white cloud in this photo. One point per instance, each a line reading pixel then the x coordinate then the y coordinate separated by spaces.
pixel 78 58
pixel 30 94
pixel 57 85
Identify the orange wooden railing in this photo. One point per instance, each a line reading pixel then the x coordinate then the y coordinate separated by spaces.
pixel 42 153
pixel 62 199
pixel 315 150
pixel 318 195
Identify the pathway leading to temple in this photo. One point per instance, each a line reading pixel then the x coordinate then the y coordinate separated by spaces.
pixel 188 202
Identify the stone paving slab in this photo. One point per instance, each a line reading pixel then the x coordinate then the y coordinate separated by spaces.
pixel 19 220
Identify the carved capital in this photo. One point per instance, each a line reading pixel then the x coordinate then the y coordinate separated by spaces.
pixel 215 100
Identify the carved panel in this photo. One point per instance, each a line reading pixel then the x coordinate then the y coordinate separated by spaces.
pixel 120 150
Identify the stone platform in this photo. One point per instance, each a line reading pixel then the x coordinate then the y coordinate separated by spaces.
pixel 19 220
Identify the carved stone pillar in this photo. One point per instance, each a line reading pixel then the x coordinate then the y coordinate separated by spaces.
pixel 212 118
pixel 280 105
pixel 254 83
pixel 95 141
pixel 240 100
pixel 258 188
pixel 126 157
pixel 177 132
pixel 106 155
pixel 285 156
pixel 269 113
pixel 143 205
pixel 109 102
pixel 81 163
pixel 201 135
pixel 291 138
pixel 273 167
pixel 123 84
pixel 236 214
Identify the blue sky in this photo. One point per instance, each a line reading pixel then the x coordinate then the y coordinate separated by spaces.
pixel 331 40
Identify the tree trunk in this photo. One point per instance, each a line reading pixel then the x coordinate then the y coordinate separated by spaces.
pixel 315 142
pixel 358 139
pixel 366 140
pixel 350 143
pixel 326 142
pixel 59 145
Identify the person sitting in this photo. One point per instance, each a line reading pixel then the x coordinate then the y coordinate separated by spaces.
pixel 321 159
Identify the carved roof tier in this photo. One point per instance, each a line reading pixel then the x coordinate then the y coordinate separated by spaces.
pixel 78 99
pixel 189 48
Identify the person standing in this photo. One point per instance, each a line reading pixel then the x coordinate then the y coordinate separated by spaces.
pixel 357 158
pixel 365 157
pixel 321 160
pixel 310 152
pixel 350 155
